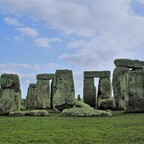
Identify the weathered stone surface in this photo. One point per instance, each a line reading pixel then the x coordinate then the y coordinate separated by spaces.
pixel 43 94
pixel 10 93
pixel 129 63
pixel 119 87
pixel 52 92
pixel 0 94
pixel 134 96
pixel 101 74
pixel 106 104
pixel 10 81
pixel 45 76
pixel 83 110
pixel 31 99
pixel 11 101
pixel 104 89
pixel 63 90
pixel 33 85
pixel 30 113
pixel 89 92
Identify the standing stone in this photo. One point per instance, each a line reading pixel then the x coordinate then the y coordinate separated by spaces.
pixel 0 100
pixel 79 97
pixel 10 93
pixel 104 89
pixel 10 101
pixel 43 94
pixel 10 81
pixel 134 99
pixel 63 90
pixel 118 86
pixel 31 100
pixel 52 92
pixel 89 92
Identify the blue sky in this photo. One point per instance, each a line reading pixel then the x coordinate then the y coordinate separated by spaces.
pixel 41 36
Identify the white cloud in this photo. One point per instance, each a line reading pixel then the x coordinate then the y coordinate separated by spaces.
pixel 83 18
pixel 18 38
pixel 28 31
pixel 50 66
pixel 12 21
pixel 26 66
pixel 42 42
pixel 140 1
pixel 34 67
pixel 13 66
pixel 77 44
pixel 45 42
pixel 73 17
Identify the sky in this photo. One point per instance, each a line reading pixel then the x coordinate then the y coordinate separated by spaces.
pixel 41 36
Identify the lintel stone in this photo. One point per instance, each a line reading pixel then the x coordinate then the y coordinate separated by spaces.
pixel 101 74
pixel 129 63
pixel 45 76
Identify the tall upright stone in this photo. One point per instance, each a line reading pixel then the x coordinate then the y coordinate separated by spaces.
pixel 31 99
pixel 1 100
pixel 43 94
pixel 10 93
pixel 89 92
pixel 44 90
pixel 123 66
pixel 134 96
pixel 104 89
pixel 119 87
pixel 63 90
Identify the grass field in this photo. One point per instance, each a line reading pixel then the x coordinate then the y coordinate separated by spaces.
pixel 119 129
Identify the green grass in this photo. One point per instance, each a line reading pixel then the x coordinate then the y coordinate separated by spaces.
pixel 119 129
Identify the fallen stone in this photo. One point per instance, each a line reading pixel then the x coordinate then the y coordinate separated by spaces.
pixel 83 110
pixel 106 104
pixel 30 113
